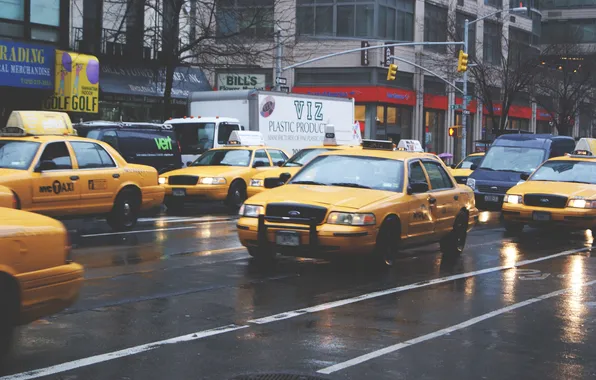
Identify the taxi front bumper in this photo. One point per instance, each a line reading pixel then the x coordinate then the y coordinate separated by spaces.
pixel 197 193
pixel 543 216
pixel 317 241
pixel 49 291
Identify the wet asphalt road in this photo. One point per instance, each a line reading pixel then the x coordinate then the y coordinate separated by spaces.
pixel 179 298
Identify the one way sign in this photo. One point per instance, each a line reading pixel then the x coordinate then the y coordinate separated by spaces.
pixel 388 51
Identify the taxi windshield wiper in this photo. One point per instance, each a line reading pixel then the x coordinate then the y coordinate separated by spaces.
pixel 350 184
pixel 308 183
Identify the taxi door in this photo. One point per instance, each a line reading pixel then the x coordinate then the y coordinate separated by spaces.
pixel 445 196
pixel 421 223
pixel 98 174
pixel 261 160
pixel 55 188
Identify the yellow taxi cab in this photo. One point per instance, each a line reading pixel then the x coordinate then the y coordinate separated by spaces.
pixel 222 174
pixel 37 275
pixel 53 172
pixel 462 171
pixel 7 198
pixel 373 202
pixel 279 176
pixel 561 192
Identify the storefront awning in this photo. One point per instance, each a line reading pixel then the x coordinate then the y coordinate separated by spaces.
pixel 143 81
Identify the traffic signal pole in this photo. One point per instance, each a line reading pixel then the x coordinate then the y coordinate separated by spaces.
pixel 464 112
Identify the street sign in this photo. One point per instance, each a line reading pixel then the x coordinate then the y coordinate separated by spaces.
pixel 279 80
pixel 285 89
pixel 456 106
pixel 468 98
pixel 388 51
pixel 465 112
pixel 364 53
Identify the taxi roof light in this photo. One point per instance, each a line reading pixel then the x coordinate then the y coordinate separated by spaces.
pixel 377 144
pixel 410 146
pixel 246 138
pixel 38 123
pixel 581 153
pixel 330 138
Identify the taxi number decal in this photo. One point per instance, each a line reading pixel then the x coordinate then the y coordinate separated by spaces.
pixel 98 184
pixel 57 187
pixel 419 215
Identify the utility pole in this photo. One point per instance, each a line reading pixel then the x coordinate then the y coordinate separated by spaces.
pixel 278 55
pixel 464 112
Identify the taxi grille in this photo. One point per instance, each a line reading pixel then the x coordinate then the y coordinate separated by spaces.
pixel 545 200
pixel 188 180
pixel 493 189
pixel 290 210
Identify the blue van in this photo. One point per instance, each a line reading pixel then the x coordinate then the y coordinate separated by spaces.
pixel 510 156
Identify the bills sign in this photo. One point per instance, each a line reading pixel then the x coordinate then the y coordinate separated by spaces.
pixel 227 82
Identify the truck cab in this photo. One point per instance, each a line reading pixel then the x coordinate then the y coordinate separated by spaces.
pixel 197 134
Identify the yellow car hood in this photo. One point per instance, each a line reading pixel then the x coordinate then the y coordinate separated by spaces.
pixel 277 171
pixel 461 172
pixel 209 171
pixel 557 188
pixel 7 175
pixel 346 197
pixel 15 221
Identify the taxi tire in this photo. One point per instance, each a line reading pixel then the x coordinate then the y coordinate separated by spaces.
pixel 117 219
pixel 387 243
pixel 9 306
pixel 454 243
pixel 236 194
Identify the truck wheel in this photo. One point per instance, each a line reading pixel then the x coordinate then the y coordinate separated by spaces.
pixel 387 243
pixel 236 194
pixel 454 243
pixel 125 212
pixel 9 304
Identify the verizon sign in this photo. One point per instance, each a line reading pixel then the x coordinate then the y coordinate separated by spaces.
pixel 226 82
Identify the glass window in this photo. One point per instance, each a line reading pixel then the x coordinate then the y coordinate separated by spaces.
pixel 303 157
pixel 494 3
pixel 345 20
pixel 460 22
pixel 89 157
pixel 224 157
pixel 417 173
pixel 17 154
pixel 13 9
pixel 324 20
pixel 45 12
pixel 365 172
pixel 250 19
pixel 305 20
pixel 224 132
pixel 492 42
pixel 566 171
pixel 469 161
pixel 109 137
pixel 261 156
pixel 195 137
pixel 277 156
pixel 515 159
pixel 365 15
pixel 58 153
pixel 435 26
pixel 438 178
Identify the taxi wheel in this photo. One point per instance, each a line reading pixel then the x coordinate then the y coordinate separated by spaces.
pixel 387 243
pixel 125 212
pixel 454 243
pixel 9 304
pixel 236 194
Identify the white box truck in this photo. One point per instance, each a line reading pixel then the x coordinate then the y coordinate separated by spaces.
pixel 287 121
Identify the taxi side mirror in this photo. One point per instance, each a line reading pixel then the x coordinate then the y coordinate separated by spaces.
pixel 417 188
pixel 453 166
pixel 279 163
pixel 285 177
pixel 473 167
pixel 258 164
pixel 524 176
pixel 46 165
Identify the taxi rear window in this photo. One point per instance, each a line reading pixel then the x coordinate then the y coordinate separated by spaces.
pixel 16 154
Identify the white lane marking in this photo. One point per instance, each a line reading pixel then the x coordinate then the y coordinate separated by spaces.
pixel 445 331
pixel 422 284
pixel 119 354
pixel 159 229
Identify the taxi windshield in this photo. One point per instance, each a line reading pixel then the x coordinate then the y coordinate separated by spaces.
pixel 304 156
pixel 224 157
pixel 512 159
pixel 469 161
pixel 566 171
pixel 16 154
pixel 365 172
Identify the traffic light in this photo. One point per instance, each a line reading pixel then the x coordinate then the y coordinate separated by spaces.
pixel 455 131
pixel 462 62
pixel 392 71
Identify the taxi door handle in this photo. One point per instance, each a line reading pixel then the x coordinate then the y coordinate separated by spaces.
pixel 456 197
pixel 432 200
pixel 74 177
pixel 116 175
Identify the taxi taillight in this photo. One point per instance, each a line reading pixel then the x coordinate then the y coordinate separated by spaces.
pixel 68 248
pixel 15 202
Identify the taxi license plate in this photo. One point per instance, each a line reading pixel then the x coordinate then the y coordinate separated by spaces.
pixel 541 216
pixel 491 198
pixel 178 192
pixel 287 238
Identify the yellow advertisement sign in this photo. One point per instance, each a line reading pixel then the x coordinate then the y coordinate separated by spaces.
pixel 76 81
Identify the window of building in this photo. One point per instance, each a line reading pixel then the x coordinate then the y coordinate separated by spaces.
pixel 492 42
pixel 13 9
pixel 494 3
pixel 435 26
pixel 519 45
pixel 553 4
pixel 570 31
pixel 396 20
pixel 45 12
pixel 459 24
pixel 249 18
pixel 43 19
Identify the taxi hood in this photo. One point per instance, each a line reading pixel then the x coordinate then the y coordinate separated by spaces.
pixel 7 175
pixel 277 171
pixel 15 221
pixel 567 189
pixel 211 171
pixel 345 197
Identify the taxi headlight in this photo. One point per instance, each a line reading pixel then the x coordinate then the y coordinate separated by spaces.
pixel 471 182
pixel 581 203
pixel 212 181
pixel 251 211
pixel 162 180
pixel 351 219
pixel 513 199
pixel 256 183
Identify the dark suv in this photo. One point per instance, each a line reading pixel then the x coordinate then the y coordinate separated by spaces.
pixel 139 143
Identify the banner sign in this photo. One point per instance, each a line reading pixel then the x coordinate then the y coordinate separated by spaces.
pixel 25 65
pixel 226 82
pixel 76 87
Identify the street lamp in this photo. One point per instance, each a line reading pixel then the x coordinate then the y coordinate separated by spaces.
pixel 464 116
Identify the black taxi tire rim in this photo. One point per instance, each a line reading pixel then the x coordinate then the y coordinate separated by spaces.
pixel 237 195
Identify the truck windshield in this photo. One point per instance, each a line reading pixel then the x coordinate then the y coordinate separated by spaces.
pixel 566 171
pixel 194 138
pixel 224 157
pixel 303 157
pixel 17 154
pixel 513 159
